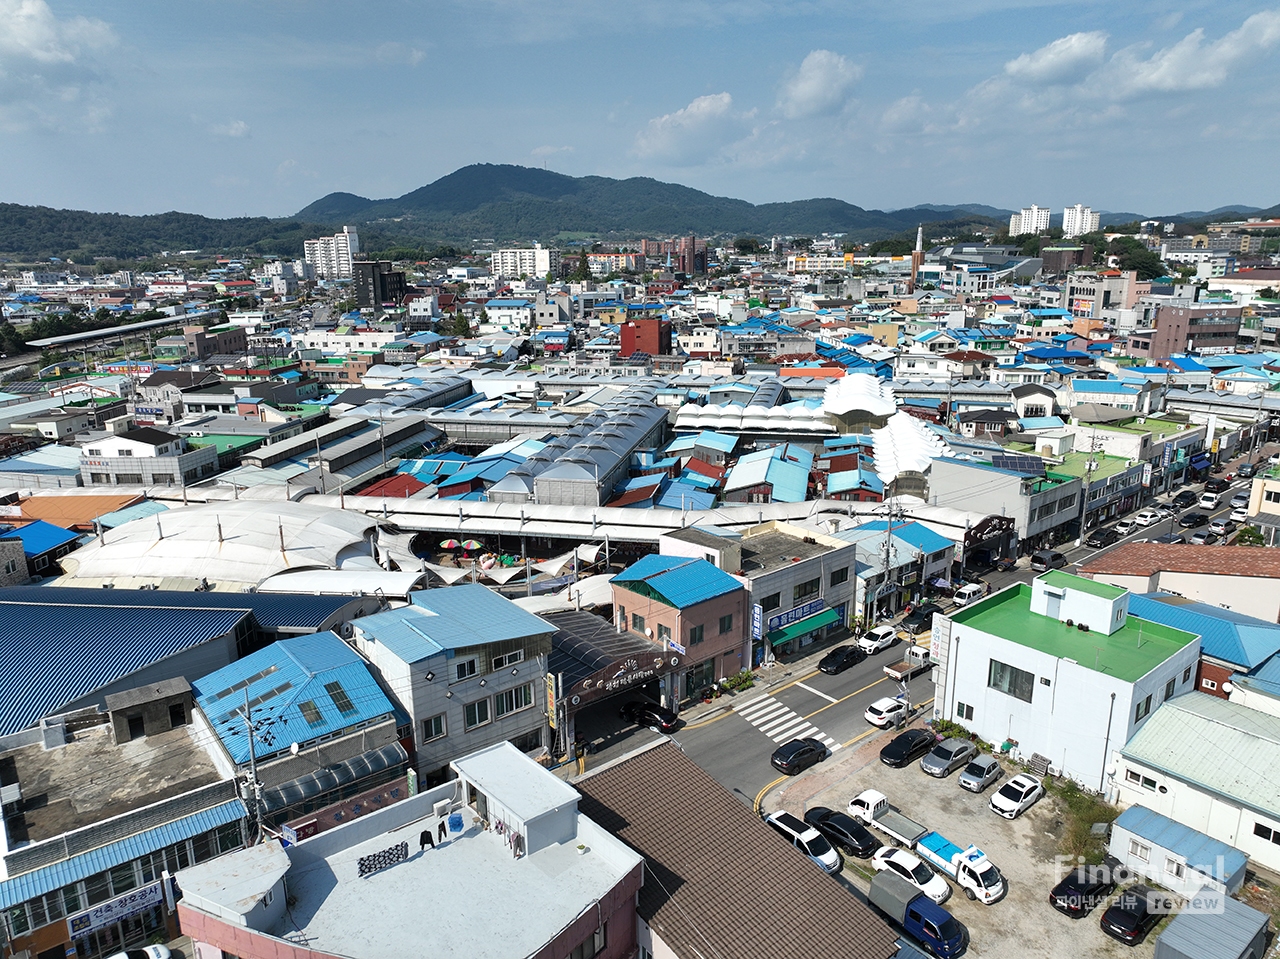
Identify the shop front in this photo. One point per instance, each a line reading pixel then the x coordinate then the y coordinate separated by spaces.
pixel 123 923
pixel 792 631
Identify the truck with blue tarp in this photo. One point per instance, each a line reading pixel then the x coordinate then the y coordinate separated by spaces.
pixel 919 917
pixel 970 868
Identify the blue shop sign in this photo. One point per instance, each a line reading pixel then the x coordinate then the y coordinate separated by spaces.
pixel 793 615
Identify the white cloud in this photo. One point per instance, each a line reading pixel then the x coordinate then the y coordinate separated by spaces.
pixel 1065 60
pixel 30 31
pixel 821 85
pixel 393 52
pixel 693 133
pixel 548 150
pixel 232 128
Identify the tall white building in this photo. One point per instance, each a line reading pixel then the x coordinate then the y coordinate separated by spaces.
pixel 1032 219
pixel 513 264
pixel 331 256
pixel 1078 220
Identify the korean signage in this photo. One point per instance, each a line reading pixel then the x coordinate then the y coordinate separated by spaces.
pixel 149 410
pixel 675 646
pixel 757 621
pixel 1146 474
pixel 1168 455
pixel 793 615
pixel 551 700
pixel 114 910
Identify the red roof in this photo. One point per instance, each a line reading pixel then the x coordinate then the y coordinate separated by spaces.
pixel 705 468
pixel 1147 559
pixel 400 486
pixel 632 496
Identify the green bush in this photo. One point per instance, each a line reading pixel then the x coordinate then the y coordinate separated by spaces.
pixel 743 680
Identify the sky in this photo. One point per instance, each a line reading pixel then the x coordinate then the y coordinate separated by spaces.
pixel 259 107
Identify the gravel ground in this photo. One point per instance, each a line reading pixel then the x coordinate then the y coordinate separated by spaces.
pixel 1020 925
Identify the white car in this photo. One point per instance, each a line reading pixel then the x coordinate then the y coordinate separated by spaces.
pixel 1125 527
pixel 1240 514
pixel 874 640
pixel 1146 517
pixel 807 839
pixel 902 863
pixel 885 712
pixel 143 952
pixel 1016 796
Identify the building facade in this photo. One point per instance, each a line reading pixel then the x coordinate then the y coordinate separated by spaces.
pixel 332 256
pixel 144 457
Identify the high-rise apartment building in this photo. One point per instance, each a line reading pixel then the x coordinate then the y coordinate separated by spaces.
pixel 513 264
pixel 1078 220
pixel 685 254
pixel 1031 219
pixel 377 284
pixel 332 256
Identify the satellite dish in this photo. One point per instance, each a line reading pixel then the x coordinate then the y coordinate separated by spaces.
pixel 293 748
pixel 1228 688
pixel 648 631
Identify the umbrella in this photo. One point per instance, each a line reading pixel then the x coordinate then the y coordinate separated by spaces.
pixel 450 544
pixel 472 544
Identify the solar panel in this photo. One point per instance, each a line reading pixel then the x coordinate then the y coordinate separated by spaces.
pixel 1019 463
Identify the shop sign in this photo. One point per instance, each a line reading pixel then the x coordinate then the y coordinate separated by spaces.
pixel 1146 474
pixel 114 910
pixel 757 619
pixel 551 700
pixel 675 647
pixel 799 613
pixel 1168 454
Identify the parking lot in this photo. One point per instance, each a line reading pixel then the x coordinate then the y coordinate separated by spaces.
pixel 1023 923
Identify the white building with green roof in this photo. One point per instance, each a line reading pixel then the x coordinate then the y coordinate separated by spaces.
pixel 1059 669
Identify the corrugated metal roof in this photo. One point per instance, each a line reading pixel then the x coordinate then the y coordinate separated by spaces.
pixel 1217 745
pixel 1203 934
pixel 40 881
pixel 919 536
pixel 1205 854
pixel 138 511
pixel 1226 635
pixel 290 687
pixel 681 581
pixel 40 537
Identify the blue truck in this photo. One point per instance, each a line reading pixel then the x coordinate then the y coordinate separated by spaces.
pixel 919 916
pixel 970 868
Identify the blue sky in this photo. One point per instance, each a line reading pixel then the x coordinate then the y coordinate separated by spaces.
pixel 233 108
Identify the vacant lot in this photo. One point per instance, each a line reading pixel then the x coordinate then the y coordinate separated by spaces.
pixel 1023 923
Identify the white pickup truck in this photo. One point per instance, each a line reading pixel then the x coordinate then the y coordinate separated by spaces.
pixel 873 808
pixel 918 660
pixel 970 868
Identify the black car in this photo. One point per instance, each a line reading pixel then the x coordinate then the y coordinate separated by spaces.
pixel 844 832
pixel 798 755
pixel 907 748
pixel 1130 917
pixel 921 618
pixel 840 659
pixel 1215 485
pixel 1170 538
pixel 1081 890
pixel 1184 499
pixel 1193 519
pixel 644 713
pixel 1102 537
pixel 1247 470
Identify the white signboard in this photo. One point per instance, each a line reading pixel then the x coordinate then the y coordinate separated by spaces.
pixel 113 910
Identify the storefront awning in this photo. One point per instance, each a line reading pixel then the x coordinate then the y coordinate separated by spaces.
pixel 1199 461
pixel 804 626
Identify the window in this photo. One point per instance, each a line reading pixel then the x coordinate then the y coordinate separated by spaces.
pixel 510 659
pixel 477 713
pixel 433 728
pixel 340 698
pixel 126 452
pixel 726 624
pixel 310 713
pixel 839 576
pixel 1142 710
pixel 1138 851
pixel 772 601
pixel 93 452
pixel 1131 776
pixel 11 566
pixel 42 562
pixel 1186 674
pixel 695 635
pixel 964 711
pixel 637 623
pixel 464 669
pixel 1017 683
pixel 1148 783
pixel 1173 867
pixel 1272 495
pixel 129 479
pixel 1267 833
pixel 513 700
pixel 99 477
pixel 802 592
pixel 1208 684
pixel 593 945
pixel 1170 686
pixel 664 633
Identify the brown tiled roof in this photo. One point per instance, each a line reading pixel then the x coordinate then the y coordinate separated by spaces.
pixel 718 881
pixel 1145 559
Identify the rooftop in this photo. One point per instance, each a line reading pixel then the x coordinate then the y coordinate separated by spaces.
pixel 1055 577
pixel 1129 653
pixel 1147 559
pixel 1209 856
pixel 775 548
pixel 1224 634
pixel 678 581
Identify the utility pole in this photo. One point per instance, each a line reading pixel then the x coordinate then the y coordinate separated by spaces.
pixel 255 787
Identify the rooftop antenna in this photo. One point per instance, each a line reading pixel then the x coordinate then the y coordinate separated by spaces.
pixel 280 527
pixel 219 521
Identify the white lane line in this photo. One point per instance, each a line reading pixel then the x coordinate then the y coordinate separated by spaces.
pixel 757 715
pixel 800 732
pixel 778 722
pixel 830 699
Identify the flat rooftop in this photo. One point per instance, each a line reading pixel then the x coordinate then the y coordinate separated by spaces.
pixel 438 901
pixel 1129 653
pixel 91 778
pixel 772 549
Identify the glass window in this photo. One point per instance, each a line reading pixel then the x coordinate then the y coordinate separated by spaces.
pixel 122 879
pixel 229 837
pixel 477 713
pixel 433 728
pixel 340 698
pixel 803 591
pixel 201 849
pixel 726 624
pixel 664 633
pixel 512 700
pixel 772 601
pixel 1142 710
pixel 97 889
pixel 1138 851
pixel 839 576
pixel 695 635
pixel 71 898
pixel 464 669
pixel 18 921
pixel 310 713
pixel 1131 776
pixel 510 659
pixel 1186 674
pixel 1169 687
pixel 1017 683
pixel 637 623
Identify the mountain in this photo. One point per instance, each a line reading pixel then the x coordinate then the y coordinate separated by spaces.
pixel 979 209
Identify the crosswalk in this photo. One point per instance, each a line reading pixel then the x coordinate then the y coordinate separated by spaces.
pixel 781 723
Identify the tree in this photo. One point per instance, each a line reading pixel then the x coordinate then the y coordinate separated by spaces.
pixel 1249 536
pixel 802 243
pixel 891 248
pixel 457 325
pixel 746 245
pixel 1267 293
pixel 583 271
pixel 1133 255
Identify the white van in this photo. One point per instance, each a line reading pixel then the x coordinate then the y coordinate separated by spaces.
pixel 970 593
pixel 1209 500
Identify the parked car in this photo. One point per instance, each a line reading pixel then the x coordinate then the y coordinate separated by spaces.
pixel 1240 499
pixel 842 831
pixel 921 618
pixel 1082 889
pixel 1184 499
pixel 1193 519
pixel 1102 536
pixel 1273 459
pixel 143 952
pixel 902 863
pixel 969 593
pixel 795 757
pixel 1163 510
pixel 1047 559
pixel 1016 796
pixel 1247 470
pixel 981 772
pixel 904 749
pixel 1216 484
pixel 1209 501
pixel 644 713
pixel 874 640
pixel 1222 525
pixel 1170 538
pixel 885 712
pixel 948 756
pixel 1146 517
pixel 1125 527
pixel 1130 917
pixel 840 659
pixel 1240 515
pixel 807 839
pixel 1204 537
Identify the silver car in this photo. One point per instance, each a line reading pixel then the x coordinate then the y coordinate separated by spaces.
pixel 948 756
pixel 981 772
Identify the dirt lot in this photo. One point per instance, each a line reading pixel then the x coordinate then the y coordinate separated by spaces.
pixel 1023 923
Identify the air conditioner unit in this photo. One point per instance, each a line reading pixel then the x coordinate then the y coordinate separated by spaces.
pixel 441 809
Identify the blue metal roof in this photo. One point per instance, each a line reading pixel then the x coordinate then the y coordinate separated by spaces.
pixel 918 535
pixel 450 617
pixel 148 507
pixel 723 442
pixel 40 537
pixel 1102 386
pixel 1224 634
pixel 1202 853
pixel 40 881
pixel 681 581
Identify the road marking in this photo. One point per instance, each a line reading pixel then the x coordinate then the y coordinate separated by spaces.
pixel 850 696
pixel 760 795
pixel 761 707
pixel 781 723
pixel 830 699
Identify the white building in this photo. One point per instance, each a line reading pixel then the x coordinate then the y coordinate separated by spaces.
pixel 1060 670
pixel 1078 220
pixel 1031 219
pixel 537 262
pixel 331 256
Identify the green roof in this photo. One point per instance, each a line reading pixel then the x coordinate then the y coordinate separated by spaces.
pixel 1055 577
pixel 1129 653
pixel 1158 428
pixel 225 442
pixel 1073 464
